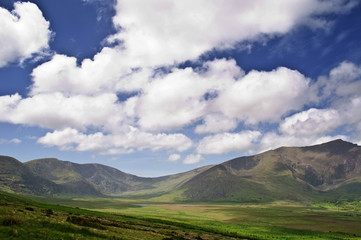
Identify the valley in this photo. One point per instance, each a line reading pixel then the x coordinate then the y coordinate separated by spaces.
pixel 98 218
pixel 288 193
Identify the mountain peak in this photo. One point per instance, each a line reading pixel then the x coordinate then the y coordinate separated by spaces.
pixel 337 147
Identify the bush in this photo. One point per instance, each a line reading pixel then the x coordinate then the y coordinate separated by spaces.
pixel 48 212
pixel 85 221
pixel 10 221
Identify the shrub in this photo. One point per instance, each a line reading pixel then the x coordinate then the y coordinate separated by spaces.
pixel 10 221
pixel 29 208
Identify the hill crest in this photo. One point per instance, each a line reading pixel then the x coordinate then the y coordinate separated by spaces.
pixel 329 170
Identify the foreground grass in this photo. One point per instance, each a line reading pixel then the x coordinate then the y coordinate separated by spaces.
pixel 123 219
pixel 22 218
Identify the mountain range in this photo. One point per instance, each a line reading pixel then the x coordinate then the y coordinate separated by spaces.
pixel 328 171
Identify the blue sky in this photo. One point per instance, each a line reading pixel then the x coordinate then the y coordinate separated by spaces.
pixel 162 86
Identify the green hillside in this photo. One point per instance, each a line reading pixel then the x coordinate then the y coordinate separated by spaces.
pixel 95 179
pixel 328 171
pixel 325 171
pixel 15 177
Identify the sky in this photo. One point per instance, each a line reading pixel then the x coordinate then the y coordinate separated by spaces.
pixel 159 87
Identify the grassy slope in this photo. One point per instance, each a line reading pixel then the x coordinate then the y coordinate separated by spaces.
pixel 15 177
pixel 107 180
pixel 160 185
pixel 63 174
pixel 279 220
pixel 22 218
pixel 323 172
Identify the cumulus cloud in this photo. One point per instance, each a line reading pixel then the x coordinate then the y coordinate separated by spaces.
pixel 72 139
pixel 164 32
pixel 102 74
pixel 193 159
pixel 177 99
pixel 228 142
pixel 265 96
pixel 15 140
pixel 221 95
pixel 82 103
pixel 343 81
pixel 274 140
pixel 56 111
pixel 23 32
pixel 174 157
pixel 341 90
pixel 7 141
pixel 311 122
pixel 7 103
pixel 215 123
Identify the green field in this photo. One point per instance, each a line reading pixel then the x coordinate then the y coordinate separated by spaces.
pixel 112 218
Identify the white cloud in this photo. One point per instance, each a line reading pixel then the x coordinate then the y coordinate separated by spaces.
pixel 193 159
pixel 7 103
pixel 174 157
pixel 273 140
pixel 172 101
pixel 72 139
pixel 55 111
pixel 219 93
pixel 7 141
pixel 23 32
pixel 178 99
pixel 343 93
pixel 80 101
pixel 215 123
pixel 311 122
pixel 15 140
pixel 350 111
pixel 163 31
pixel 265 96
pixel 228 142
pixel 102 74
pixel 343 81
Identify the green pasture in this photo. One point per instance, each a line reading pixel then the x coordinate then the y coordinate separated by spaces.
pixel 115 218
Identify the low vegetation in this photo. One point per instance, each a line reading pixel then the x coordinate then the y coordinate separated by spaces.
pixel 22 218
pixel 288 193
pixel 107 218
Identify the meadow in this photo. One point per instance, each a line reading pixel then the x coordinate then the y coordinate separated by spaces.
pixel 114 218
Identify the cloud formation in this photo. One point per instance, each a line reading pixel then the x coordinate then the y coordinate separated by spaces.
pixel 121 101
pixel 228 142
pixel 23 32
pixel 193 159
pixel 72 139
pixel 7 141
pixel 163 32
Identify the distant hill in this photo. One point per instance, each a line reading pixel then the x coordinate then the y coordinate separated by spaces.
pixel 64 175
pixel 97 178
pixel 327 171
pixel 16 177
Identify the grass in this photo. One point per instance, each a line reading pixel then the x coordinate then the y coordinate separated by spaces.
pixel 35 220
pixel 114 218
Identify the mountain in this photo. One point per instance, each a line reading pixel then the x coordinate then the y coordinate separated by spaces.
pixel 17 178
pixel 93 179
pixel 326 171
pixel 63 174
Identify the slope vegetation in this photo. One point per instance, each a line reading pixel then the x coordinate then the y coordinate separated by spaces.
pixel 322 172
pixel 326 171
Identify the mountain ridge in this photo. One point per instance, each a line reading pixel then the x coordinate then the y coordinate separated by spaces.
pixel 330 170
